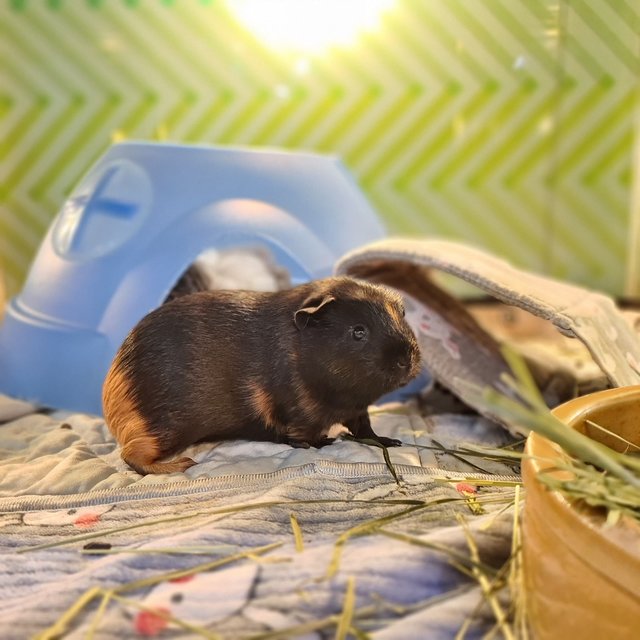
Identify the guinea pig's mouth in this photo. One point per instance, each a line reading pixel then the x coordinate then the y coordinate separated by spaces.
pixel 402 375
pixel 400 365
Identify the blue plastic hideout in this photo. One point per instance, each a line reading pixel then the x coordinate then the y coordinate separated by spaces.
pixel 137 220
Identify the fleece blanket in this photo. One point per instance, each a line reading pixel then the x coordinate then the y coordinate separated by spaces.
pixel 287 537
pixel 259 540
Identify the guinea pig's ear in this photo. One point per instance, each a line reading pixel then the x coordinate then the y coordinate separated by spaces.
pixel 312 306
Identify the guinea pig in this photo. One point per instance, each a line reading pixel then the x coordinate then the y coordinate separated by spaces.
pixel 281 366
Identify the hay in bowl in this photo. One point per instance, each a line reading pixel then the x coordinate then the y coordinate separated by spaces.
pixel 582 559
pixel 581 522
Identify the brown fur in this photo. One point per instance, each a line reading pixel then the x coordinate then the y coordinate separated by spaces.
pixel 393 312
pixel 283 367
pixel 262 403
pixel 140 449
pixel 310 407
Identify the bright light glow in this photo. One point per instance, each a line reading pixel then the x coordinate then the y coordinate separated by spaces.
pixel 309 26
pixel 302 66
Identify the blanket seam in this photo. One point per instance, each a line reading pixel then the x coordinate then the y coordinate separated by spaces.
pixel 351 471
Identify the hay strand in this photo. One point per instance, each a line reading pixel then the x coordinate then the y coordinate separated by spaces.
pixel 197 514
pixel 297 533
pixel 348 606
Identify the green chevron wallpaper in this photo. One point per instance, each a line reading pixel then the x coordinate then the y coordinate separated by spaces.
pixel 505 123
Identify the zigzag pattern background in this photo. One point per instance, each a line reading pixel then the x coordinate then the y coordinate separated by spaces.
pixel 505 123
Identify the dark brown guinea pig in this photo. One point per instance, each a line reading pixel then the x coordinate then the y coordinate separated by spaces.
pixel 284 366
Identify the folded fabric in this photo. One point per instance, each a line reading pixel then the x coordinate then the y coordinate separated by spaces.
pixel 456 350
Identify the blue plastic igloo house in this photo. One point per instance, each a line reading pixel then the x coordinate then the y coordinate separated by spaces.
pixel 135 223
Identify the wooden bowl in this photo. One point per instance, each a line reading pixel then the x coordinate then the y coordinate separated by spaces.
pixel 582 579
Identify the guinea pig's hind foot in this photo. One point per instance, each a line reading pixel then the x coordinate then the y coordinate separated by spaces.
pixel 172 466
pixel 317 444
pixel 296 444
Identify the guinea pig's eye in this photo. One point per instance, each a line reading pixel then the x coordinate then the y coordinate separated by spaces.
pixel 358 332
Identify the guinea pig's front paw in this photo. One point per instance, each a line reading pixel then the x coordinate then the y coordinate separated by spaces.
pixel 323 442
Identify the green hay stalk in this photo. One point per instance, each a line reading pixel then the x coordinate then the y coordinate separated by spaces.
pixel 532 412
pixel 600 476
pixel 457 456
pixel 373 526
pixel 385 453
pixel 462 563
